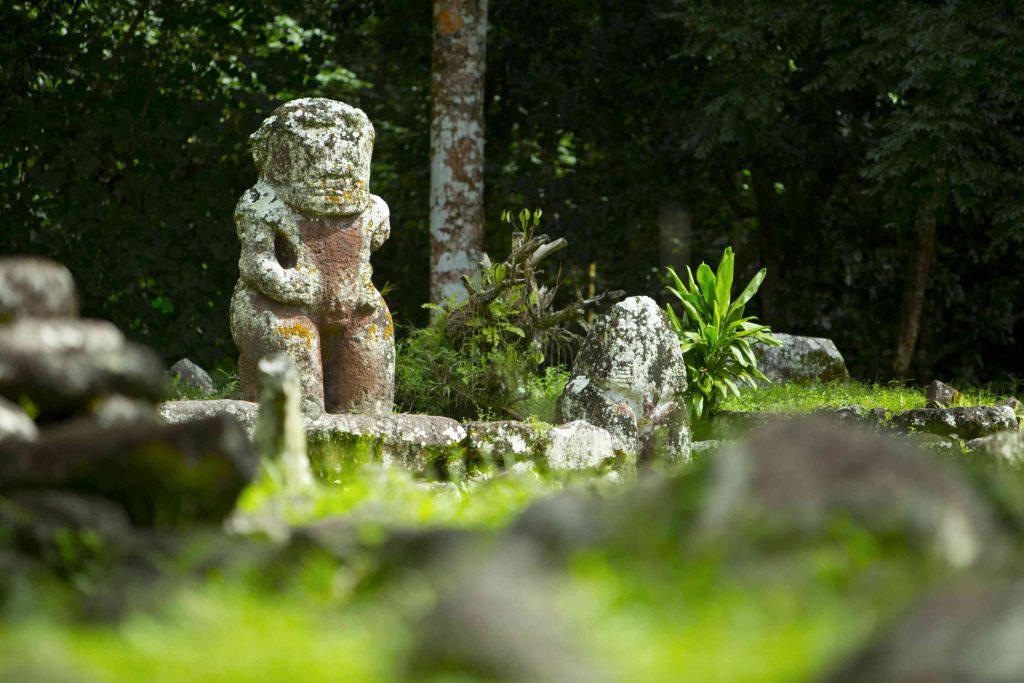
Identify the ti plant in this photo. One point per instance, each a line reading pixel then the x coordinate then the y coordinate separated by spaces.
pixel 716 338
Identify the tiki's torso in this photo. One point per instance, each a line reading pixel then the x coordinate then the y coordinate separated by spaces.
pixel 330 255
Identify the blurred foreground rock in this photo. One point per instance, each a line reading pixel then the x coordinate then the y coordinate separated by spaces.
pixel 161 474
pixel 1005 448
pixel 801 360
pixel 969 632
pixel 33 287
pixel 63 365
pixel 15 425
pixel 498 621
pixel 802 476
pixel 93 393
pixel 629 378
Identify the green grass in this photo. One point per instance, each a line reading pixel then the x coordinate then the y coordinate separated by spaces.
pixel 798 398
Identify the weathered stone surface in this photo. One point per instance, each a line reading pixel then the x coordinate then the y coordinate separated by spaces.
pixel 964 422
pixel 629 379
pixel 280 432
pixel 64 364
pixel 192 378
pixel 940 395
pixel 15 425
pixel 307 229
pixel 35 288
pixel 161 474
pixel 1004 448
pixel 418 442
pixel 799 476
pixel 968 632
pixel 801 359
pixel 579 446
pixel 505 442
pixel 178 412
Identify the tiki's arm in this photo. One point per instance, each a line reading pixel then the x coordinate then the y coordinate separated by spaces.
pixel 258 263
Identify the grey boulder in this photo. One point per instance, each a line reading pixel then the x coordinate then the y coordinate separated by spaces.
pixel 964 422
pixel 629 378
pixel 192 378
pixel 801 360
pixel 940 395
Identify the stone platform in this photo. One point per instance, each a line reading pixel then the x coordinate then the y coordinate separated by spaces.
pixel 427 444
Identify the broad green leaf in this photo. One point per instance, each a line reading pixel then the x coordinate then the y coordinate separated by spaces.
pixel 706 279
pixel 723 281
pixel 750 290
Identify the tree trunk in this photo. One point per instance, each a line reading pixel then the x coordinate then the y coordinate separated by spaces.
pixel 675 234
pixel 913 293
pixel 771 251
pixel 456 144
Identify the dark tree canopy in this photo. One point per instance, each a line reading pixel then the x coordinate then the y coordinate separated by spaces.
pixel 812 136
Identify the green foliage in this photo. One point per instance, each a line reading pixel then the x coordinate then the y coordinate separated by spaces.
pixel 479 356
pixel 716 338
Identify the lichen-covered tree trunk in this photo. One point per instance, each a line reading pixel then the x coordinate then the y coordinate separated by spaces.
pixel 456 143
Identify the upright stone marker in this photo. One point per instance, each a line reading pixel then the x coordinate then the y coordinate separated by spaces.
pixel 629 378
pixel 307 229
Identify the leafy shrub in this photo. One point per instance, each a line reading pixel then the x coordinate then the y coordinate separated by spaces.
pixel 480 356
pixel 715 337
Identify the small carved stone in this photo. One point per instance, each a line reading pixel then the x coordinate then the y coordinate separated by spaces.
pixel 307 229
pixel 940 395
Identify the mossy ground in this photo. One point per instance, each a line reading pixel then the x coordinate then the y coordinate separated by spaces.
pixel 657 614
pixel 797 398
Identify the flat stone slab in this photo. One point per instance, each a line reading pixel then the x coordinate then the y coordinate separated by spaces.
pixel 176 412
pixel 416 442
pixel 424 444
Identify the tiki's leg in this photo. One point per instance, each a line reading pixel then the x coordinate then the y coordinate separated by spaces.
pixel 262 327
pixel 359 362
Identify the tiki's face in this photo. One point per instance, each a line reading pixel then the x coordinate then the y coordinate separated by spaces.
pixel 316 152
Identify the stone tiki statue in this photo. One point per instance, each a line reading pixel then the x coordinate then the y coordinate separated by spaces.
pixel 307 229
